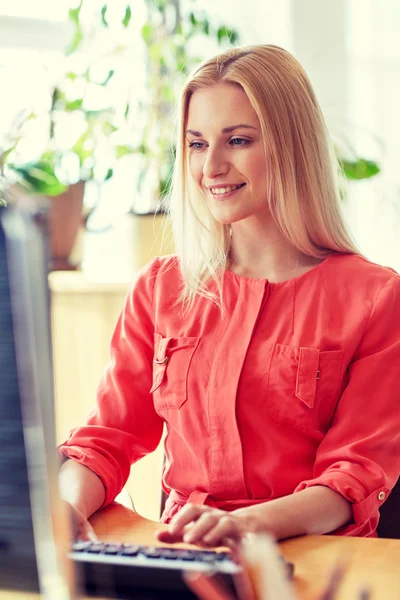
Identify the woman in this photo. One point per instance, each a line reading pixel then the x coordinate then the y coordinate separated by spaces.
pixel 268 346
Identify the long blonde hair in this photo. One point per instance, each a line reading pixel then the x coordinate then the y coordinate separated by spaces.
pixel 303 197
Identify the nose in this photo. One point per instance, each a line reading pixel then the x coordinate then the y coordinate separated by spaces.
pixel 216 164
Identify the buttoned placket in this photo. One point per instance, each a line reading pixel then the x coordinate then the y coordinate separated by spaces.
pixel 226 456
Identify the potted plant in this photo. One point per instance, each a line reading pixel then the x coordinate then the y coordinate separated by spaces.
pixel 86 138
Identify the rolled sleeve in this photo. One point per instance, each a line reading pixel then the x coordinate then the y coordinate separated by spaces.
pixel 123 426
pixel 360 455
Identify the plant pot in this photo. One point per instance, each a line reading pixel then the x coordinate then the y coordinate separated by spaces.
pixel 65 220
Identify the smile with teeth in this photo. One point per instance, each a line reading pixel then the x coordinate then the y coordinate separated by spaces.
pixel 225 190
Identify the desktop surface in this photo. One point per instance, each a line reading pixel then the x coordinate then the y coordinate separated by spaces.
pixel 372 563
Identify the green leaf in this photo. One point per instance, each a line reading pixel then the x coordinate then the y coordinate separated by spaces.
pixel 127 17
pixel 206 27
pixel 193 19
pixel 122 150
pixel 103 16
pixel 224 33
pixel 109 76
pixel 76 42
pixel 50 157
pixel 233 37
pixel 221 33
pixel 110 173
pixel 94 115
pixel 109 128
pixel 39 178
pixel 81 149
pixel 74 13
pixel 127 110
pixel 6 153
pixel 73 105
pixel 72 76
pixel 359 169
pixel 147 33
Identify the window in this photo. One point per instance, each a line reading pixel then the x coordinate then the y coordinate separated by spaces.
pixel 374 89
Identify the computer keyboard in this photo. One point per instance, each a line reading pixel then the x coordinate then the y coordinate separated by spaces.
pixel 146 572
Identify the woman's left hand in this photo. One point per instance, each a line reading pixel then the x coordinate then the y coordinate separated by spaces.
pixel 204 526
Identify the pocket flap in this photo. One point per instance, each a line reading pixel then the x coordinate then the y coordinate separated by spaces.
pixel 307 375
pixel 160 360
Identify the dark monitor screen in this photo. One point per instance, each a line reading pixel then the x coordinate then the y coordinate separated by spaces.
pixel 28 468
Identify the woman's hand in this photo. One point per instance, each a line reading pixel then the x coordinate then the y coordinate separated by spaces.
pixel 205 526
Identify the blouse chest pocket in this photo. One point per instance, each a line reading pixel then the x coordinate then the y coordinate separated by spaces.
pixel 172 358
pixel 302 386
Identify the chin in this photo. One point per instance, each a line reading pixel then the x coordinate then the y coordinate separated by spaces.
pixel 229 219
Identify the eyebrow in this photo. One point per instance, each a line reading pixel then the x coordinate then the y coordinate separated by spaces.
pixel 224 130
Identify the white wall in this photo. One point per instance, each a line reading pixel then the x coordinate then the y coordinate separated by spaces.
pixel 373 51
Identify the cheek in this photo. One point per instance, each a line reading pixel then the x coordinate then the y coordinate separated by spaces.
pixel 257 170
pixel 196 168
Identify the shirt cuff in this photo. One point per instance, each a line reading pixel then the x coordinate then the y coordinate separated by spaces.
pixel 365 507
pixel 96 462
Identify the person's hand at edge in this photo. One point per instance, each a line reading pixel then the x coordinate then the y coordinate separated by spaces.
pixel 204 526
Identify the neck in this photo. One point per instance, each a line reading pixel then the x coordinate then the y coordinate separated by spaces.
pixel 260 250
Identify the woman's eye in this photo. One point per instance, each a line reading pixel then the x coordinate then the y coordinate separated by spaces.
pixel 239 142
pixel 196 145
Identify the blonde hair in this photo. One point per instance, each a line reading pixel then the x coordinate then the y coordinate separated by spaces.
pixel 304 197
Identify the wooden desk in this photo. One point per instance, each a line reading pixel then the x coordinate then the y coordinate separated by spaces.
pixel 372 562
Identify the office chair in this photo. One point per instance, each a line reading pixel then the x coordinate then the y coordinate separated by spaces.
pixel 389 523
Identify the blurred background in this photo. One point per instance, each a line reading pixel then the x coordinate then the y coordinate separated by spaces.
pixel 87 119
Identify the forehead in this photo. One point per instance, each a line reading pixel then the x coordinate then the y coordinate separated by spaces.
pixel 221 103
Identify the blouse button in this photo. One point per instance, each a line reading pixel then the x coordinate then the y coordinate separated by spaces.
pixel 381 496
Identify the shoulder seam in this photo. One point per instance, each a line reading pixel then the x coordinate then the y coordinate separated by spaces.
pixel 394 277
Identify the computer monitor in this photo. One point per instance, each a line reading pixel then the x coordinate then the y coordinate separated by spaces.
pixel 33 530
pixel 35 542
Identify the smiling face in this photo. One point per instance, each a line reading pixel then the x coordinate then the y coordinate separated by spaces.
pixel 226 155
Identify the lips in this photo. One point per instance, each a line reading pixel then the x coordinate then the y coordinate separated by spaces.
pixel 222 190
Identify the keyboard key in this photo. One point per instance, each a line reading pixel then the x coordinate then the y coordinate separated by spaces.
pixel 112 549
pixel 185 555
pixel 169 554
pixel 81 546
pixel 96 548
pixel 130 550
pixel 151 552
pixel 206 557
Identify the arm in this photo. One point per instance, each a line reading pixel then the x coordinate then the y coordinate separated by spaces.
pixel 360 455
pixel 81 488
pixel 313 511
pixel 84 492
pixel 124 425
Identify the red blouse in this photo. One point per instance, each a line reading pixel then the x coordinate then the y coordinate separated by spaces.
pixel 297 384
